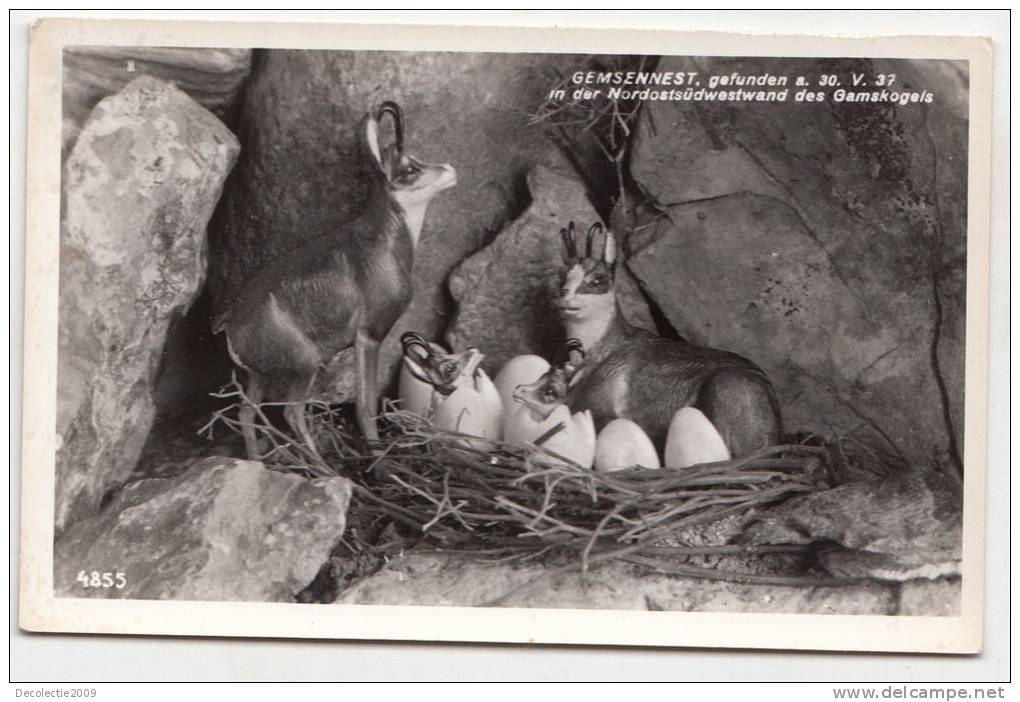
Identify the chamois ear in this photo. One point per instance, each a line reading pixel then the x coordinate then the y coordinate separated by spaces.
pixel 415 346
pixel 416 353
pixel 370 143
pixel 610 253
pixel 569 248
pixel 397 116
pixel 596 241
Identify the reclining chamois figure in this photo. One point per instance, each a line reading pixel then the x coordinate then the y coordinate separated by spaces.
pixel 345 288
pixel 637 375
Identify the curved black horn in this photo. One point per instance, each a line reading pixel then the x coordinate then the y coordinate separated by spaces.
pixel 574 345
pixel 411 338
pixel 393 109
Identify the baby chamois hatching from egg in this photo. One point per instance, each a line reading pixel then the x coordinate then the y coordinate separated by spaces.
pixel 461 397
pixel 638 375
pixel 519 370
pixel 548 392
pixel 442 371
pixel 541 418
pixel 342 289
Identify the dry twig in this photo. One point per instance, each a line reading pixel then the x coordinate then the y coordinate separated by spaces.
pixel 520 503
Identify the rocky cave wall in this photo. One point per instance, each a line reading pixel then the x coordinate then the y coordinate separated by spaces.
pixel 828 244
pixel 825 242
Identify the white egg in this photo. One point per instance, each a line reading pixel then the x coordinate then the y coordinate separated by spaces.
pixel 415 395
pixel 692 439
pixel 475 409
pixel 575 441
pixel 519 370
pixel 623 444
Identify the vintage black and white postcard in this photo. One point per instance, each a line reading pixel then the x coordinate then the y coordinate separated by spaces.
pixel 477 334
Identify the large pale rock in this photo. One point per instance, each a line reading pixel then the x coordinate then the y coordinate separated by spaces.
pixel 211 77
pixel 930 598
pixel 811 238
pixel 505 293
pixel 225 530
pixel 138 189
pixel 908 525
pixel 302 173
pixel 456 581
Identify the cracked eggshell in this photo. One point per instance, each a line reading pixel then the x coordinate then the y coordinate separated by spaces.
pixel 576 441
pixel 415 395
pixel 474 409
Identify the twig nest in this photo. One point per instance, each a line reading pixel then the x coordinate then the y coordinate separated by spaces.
pixel 693 439
pixel 623 444
pixel 474 409
pixel 519 370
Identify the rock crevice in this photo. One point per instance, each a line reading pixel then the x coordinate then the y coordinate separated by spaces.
pixel 138 188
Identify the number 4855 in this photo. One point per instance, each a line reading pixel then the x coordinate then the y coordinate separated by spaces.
pixel 104 580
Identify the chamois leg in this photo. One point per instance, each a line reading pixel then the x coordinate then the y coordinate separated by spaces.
pixel 742 411
pixel 294 413
pixel 366 354
pixel 254 391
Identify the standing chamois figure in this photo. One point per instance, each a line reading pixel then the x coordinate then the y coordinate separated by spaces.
pixel 637 375
pixel 342 289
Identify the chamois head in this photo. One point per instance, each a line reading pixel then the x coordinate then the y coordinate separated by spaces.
pixel 430 363
pixel 548 392
pixel 411 182
pixel 586 277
